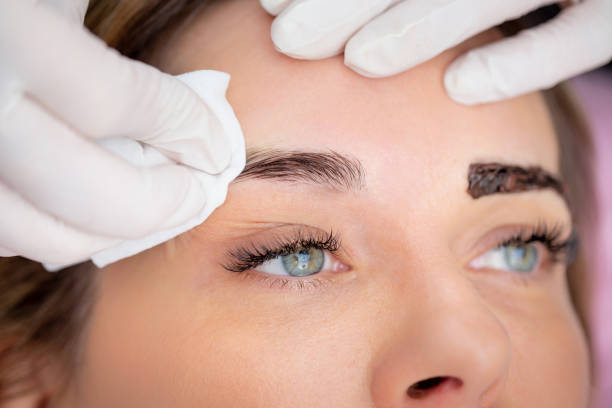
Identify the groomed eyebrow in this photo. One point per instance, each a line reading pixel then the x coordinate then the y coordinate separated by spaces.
pixel 328 168
pixel 495 178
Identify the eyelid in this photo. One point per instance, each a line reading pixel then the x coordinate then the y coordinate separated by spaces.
pixel 478 263
pixel 500 235
pixel 331 263
pixel 268 244
pixel 337 274
pixel 275 266
pixel 503 233
pixel 495 214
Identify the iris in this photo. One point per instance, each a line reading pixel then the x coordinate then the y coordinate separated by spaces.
pixel 520 258
pixel 514 257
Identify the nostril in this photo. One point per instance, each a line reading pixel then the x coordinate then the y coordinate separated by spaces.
pixel 425 387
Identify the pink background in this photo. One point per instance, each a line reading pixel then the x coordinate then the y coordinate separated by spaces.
pixel 595 92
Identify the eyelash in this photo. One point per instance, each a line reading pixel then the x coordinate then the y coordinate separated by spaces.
pixel 248 258
pixel 244 259
pixel 561 250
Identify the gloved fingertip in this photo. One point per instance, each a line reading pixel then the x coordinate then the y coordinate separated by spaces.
pixel 289 36
pixel 293 34
pixel 359 60
pixel 375 57
pixel 274 7
pixel 361 70
pixel 469 81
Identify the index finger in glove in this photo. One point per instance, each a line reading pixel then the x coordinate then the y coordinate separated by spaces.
pixel 313 29
pixel 86 186
pixel 415 31
pixel 274 6
pixel 102 94
pixel 577 40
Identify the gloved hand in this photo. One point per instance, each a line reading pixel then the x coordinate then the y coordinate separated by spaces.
pixel 62 196
pixel 386 37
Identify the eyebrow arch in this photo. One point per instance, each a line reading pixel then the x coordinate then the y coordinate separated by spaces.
pixel 494 178
pixel 329 168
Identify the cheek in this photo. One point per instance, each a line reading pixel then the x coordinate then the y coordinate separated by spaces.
pixel 158 342
pixel 280 354
pixel 137 333
pixel 550 364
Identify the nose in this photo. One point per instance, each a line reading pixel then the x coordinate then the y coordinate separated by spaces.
pixel 449 350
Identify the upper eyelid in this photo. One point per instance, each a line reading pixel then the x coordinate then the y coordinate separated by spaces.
pixel 289 231
pixel 476 241
pixel 242 257
pixel 524 235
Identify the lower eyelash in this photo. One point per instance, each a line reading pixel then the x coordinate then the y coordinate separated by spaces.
pixel 245 258
pixel 282 283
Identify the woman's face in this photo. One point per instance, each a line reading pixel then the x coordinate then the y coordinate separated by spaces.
pixel 409 278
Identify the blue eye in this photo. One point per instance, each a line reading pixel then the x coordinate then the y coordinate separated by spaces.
pixel 523 258
pixel 302 262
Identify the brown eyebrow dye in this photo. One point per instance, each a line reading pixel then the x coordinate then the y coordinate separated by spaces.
pixel 492 178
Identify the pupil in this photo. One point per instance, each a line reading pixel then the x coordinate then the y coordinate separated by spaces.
pixel 520 253
pixel 303 259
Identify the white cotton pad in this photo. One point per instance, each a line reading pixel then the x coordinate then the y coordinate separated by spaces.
pixel 211 87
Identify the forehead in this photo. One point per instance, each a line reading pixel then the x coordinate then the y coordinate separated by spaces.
pixel 400 125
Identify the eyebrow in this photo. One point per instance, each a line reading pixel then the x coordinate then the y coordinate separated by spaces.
pixel 495 178
pixel 328 168
pixel 344 173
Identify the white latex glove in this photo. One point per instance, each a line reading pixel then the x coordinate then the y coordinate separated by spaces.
pixel 62 196
pixel 384 37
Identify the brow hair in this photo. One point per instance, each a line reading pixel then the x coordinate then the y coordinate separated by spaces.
pixel 493 178
pixel 327 168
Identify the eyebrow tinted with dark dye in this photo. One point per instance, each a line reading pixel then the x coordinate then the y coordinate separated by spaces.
pixel 494 178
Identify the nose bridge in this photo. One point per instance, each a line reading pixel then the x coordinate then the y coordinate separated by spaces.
pixel 448 349
pixel 463 338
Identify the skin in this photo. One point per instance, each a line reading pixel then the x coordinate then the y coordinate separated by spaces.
pixel 172 328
